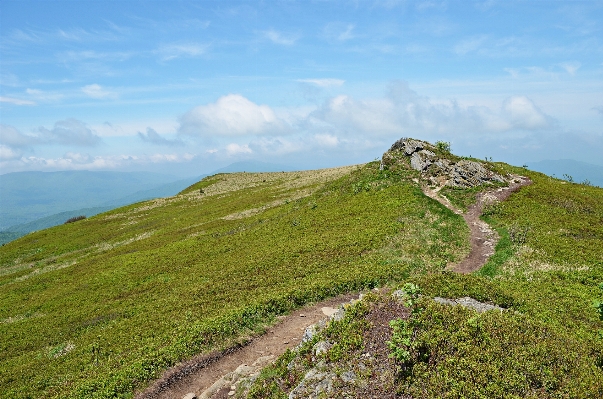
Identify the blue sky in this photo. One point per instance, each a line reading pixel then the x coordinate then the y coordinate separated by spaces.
pixel 188 87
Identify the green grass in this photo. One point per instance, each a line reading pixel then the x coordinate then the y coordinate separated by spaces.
pixel 99 307
pixel 546 272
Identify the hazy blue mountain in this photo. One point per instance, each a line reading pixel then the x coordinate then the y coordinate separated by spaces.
pixel 579 171
pixel 28 196
pixel 164 190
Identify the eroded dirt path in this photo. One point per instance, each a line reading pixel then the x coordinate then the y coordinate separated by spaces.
pixel 483 238
pixel 202 375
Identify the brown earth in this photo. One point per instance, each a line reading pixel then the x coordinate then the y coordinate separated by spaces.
pixel 204 374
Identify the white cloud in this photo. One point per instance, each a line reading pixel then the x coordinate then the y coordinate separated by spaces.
pixel 9 79
pixel 403 112
pixel 11 137
pixel 468 45
pixel 69 132
pixel 279 38
pixel 338 31
pixel 155 138
pixel 524 114
pixel 88 55
pixel 16 101
pixel 79 161
pixel 571 67
pixel 172 51
pixel 346 34
pixel 326 140
pixel 231 115
pixel 7 153
pixel 96 91
pixel 323 82
pixel 237 149
pixel 44 96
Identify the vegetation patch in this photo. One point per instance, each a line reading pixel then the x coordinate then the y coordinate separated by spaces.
pixel 155 283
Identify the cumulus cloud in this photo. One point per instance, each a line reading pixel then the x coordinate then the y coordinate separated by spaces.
pixel 155 138
pixel 231 115
pixel 69 132
pixel 323 82
pixel 96 91
pixel 524 114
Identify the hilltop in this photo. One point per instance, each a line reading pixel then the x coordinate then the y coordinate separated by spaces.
pixel 102 306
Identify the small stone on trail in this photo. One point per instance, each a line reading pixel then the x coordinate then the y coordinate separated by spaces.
pixel 328 311
pixel 285 342
pixel 302 315
pixel 190 396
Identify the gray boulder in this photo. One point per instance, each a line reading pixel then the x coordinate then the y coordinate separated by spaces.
pixel 456 173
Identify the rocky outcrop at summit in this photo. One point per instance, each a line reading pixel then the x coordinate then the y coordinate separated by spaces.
pixel 437 165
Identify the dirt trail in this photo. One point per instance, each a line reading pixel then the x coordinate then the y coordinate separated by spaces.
pixel 200 373
pixel 206 376
pixel 483 238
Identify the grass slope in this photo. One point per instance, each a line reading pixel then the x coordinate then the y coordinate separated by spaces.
pixel 98 307
pixel 545 272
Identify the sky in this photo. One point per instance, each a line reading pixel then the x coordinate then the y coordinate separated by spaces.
pixel 184 87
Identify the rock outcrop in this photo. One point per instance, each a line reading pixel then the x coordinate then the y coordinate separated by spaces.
pixel 444 169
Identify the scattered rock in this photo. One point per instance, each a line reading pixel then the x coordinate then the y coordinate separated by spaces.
pixel 468 302
pixel 447 170
pixel 338 315
pixel 328 311
pixel 313 385
pixel 190 396
pixel 244 374
pixel 348 376
pixel 321 347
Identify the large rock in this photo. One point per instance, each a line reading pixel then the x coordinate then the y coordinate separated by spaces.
pixel 456 173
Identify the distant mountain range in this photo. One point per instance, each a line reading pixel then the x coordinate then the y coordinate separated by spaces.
pixel 31 201
pixel 566 168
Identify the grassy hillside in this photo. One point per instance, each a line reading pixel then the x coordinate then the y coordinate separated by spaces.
pixel 98 307
pixel 546 273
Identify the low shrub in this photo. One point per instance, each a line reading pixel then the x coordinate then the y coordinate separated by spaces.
pixel 75 219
